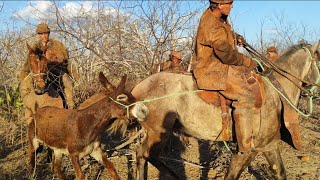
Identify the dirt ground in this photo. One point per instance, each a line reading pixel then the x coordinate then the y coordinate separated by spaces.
pixel 185 160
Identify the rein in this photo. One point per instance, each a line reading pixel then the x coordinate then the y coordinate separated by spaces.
pixel 310 92
pixel 283 72
pixel 280 70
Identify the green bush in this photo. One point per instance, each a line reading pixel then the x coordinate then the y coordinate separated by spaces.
pixel 10 102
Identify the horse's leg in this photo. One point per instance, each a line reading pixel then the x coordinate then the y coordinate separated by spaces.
pixel 103 159
pixel 238 163
pixel 142 153
pixel 154 141
pixel 275 162
pixel 31 147
pixel 56 164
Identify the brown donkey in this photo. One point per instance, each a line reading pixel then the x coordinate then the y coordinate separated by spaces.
pixel 77 133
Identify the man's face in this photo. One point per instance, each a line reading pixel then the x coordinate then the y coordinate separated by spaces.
pixel 175 60
pixel 226 8
pixel 271 55
pixel 44 37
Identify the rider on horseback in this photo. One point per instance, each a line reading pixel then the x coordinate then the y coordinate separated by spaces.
pixel 219 66
pixel 54 50
pixel 174 64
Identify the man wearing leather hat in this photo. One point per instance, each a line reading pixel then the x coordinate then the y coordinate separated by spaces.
pixel 220 67
pixel 54 50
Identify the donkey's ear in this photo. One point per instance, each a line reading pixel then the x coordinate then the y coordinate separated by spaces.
pixel 29 47
pixel 105 83
pixel 122 83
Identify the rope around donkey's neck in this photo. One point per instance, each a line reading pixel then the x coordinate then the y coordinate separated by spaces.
pixel 156 98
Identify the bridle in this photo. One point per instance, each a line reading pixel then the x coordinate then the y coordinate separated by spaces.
pixel 286 74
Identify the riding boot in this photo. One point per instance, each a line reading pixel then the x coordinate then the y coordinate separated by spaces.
pixel 68 94
pixel 246 120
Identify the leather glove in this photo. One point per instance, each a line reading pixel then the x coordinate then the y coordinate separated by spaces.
pixel 240 40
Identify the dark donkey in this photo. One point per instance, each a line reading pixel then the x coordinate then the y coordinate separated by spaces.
pixel 203 121
pixel 78 132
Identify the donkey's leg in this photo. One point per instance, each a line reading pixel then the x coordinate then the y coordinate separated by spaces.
pixel 76 165
pixel 275 162
pixel 103 159
pixel 238 163
pixel 56 164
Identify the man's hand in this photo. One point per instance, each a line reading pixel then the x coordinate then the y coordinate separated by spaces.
pixel 240 41
pixel 54 57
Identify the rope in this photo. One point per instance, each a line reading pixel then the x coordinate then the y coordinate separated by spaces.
pixel 290 103
pixel 311 90
pixel 314 62
pixel 154 99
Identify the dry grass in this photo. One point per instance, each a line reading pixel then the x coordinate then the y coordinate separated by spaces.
pixel 186 161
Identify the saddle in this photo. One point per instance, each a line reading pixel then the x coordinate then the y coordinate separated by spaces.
pixel 217 99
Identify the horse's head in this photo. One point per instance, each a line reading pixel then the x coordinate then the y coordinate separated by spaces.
pixel 314 73
pixel 38 67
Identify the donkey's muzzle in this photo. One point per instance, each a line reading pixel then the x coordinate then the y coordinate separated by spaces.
pixel 140 111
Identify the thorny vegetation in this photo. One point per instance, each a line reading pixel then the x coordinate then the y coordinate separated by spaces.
pixel 115 37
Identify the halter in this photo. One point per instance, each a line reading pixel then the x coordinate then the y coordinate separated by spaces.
pixel 316 66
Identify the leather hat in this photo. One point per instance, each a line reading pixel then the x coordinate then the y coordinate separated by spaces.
pixel 175 54
pixel 42 28
pixel 220 1
pixel 272 49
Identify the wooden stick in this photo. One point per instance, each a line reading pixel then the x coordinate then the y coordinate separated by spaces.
pixel 184 162
pixel 130 140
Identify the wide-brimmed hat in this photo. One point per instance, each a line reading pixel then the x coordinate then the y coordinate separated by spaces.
pixel 175 54
pixel 220 1
pixel 42 28
pixel 272 49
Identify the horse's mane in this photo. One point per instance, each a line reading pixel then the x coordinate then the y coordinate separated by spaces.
pixel 292 50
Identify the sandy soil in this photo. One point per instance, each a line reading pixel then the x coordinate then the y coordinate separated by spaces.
pixel 185 160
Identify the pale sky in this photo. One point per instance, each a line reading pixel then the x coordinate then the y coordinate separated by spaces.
pixel 246 16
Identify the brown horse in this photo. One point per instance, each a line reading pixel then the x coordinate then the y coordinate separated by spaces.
pixel 43 90
pixel 173 101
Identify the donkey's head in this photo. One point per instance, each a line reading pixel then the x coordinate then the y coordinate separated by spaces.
pixel 122 102
pixel 38 67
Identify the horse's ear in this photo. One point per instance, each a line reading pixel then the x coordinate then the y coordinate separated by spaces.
pixel 105 83
pixel 315 46
pixel 122 83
